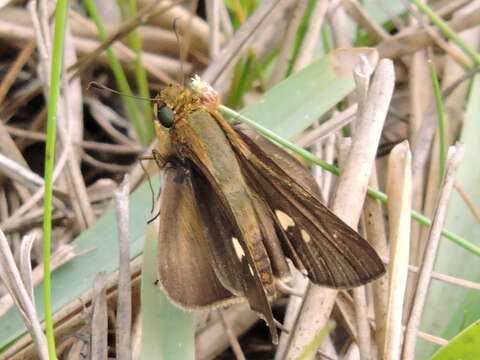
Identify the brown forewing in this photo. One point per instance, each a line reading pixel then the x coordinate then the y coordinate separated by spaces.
pixel 333 254
pixel 202 142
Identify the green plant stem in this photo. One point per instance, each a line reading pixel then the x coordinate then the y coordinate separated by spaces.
pixel 301 32
pixel 334 170
pixel 441 118
pixel 129 9
pixel 444 28
pixel 118 73
pixel 60 18
pixel 327 46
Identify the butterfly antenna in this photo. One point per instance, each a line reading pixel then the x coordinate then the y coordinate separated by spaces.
pixel 179 46
pixel 97 85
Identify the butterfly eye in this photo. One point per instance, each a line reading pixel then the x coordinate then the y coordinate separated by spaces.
pixel 165 116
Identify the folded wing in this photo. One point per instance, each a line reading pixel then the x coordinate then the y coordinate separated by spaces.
pixel 185 266
pixel 333 254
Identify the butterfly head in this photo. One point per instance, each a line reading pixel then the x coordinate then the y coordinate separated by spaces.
pixel 176 101
pixel 173 103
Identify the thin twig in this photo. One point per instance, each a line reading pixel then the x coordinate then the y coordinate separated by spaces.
pixel 230 54
pixel 307 50
pixel 213 17
pixel 318 302
pixel 455 157
pixel 16 288
pixel 399 189
pixel 17 65
pixel 213 340
pixel 99 325
pixel 376 235
pixel 288 43
pixel 333 124
pixel 468 201
pixel 124 304
pixel 103 165
pixel 237 350
pixel 111 148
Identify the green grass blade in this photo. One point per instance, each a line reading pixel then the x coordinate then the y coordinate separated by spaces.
pixel 57 56
pixel 445 29
pixel 129 9
pixel 441 119
pixel 119 74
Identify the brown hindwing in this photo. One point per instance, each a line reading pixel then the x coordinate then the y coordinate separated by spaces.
pixel 185 267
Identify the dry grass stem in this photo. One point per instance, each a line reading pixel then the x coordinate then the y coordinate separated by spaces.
pixel 340 25
pixel 448 7
pixel 25 264
pixel 454 159
pixel 348 201
pixel 335 123
pixel 102 165
pixel 421 102
pixel 186 22
pixel 243 48
pixel 237 350
pixel 10 77
pixel 213 17
pixel 21 296
pixel 468 201
pixel 455 53
pixel 15 171
pixel 411 39
pixel 230 53
pixel 72 318
pixel 106 118
pixel 360 325
pixel 99 325
pixel 124 302
pixel 143 16
pixel 307 49
pixel 284 57
pixel 399 191
pixel 361 17
pixel 299 282
pixel 213 340
pixel 112 148
pixel 376 234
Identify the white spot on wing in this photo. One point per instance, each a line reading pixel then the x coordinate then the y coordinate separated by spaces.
pixel 238 248
pixel 284 219
pixel 305 236
pixel 251 270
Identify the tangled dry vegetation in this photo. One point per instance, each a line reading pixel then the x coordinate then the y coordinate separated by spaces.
pixel 243 51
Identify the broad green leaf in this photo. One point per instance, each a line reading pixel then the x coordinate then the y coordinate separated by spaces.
pixel 291 106
pixel 465 345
